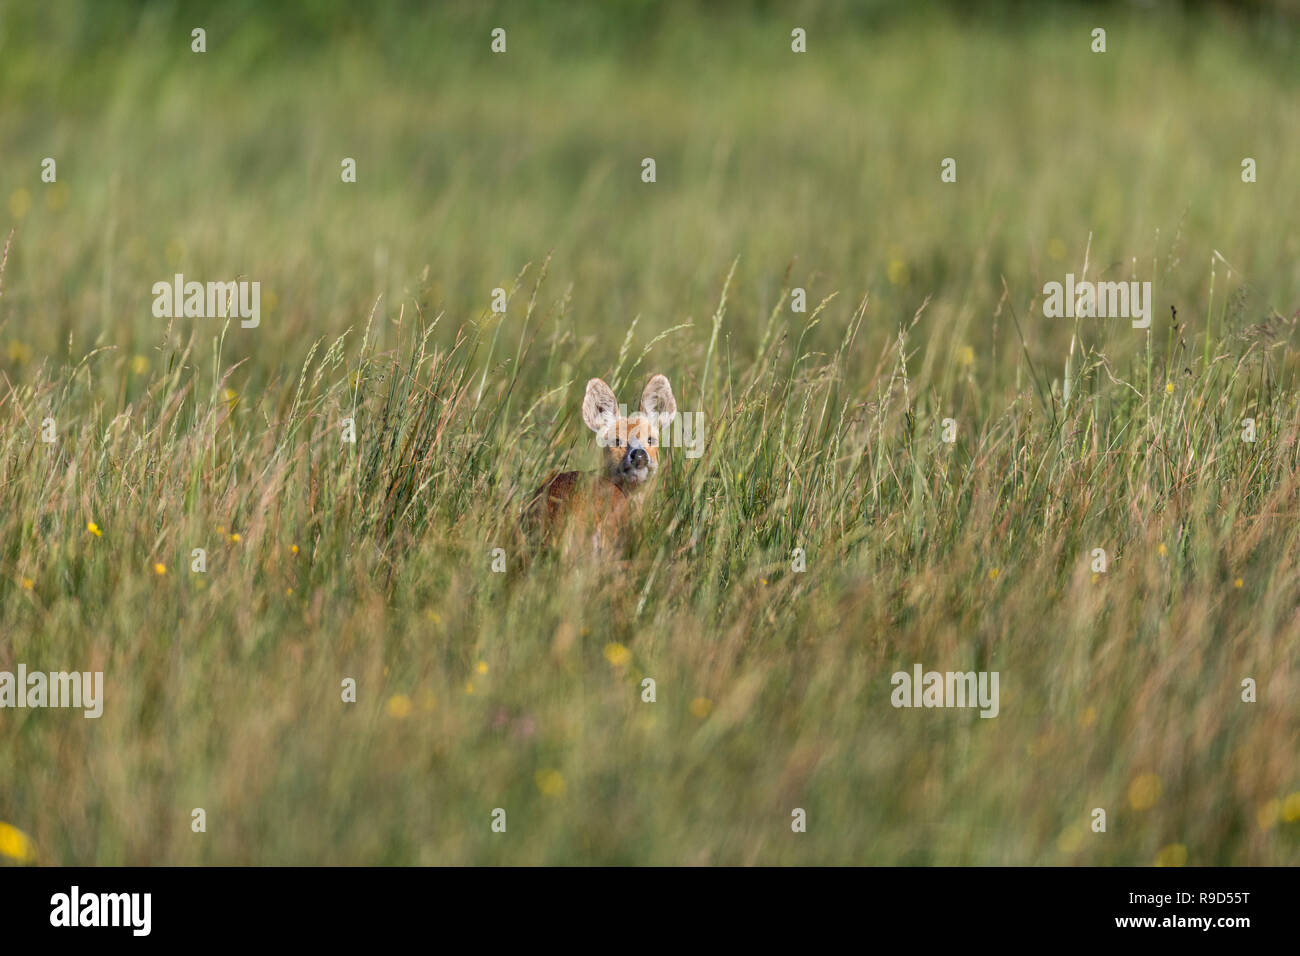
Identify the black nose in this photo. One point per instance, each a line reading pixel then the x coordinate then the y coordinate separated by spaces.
pixel 639 458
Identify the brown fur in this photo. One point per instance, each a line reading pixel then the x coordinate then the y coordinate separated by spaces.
pixel 584 506
pixel 575 503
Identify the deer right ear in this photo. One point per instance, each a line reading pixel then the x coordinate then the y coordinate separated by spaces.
pixel 599 406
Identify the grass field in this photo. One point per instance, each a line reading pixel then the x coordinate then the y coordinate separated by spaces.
pixel 476 690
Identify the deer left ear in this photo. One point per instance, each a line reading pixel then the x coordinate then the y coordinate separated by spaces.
pixel 657 400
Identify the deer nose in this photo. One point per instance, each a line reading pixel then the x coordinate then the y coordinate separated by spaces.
pixel 639 458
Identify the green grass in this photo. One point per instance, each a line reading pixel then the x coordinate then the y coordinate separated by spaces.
pixel 522 690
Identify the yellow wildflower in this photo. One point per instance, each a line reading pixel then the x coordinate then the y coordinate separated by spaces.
pixel 20 201
pixel 1144 791
pixel 1175 854
pixel 16 844
pixel 1291 807
pixel 550 782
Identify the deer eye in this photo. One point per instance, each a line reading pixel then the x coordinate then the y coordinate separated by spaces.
pixel 652 440
pixel 618 443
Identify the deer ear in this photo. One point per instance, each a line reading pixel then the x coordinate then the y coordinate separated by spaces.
pixel 599 406
pixel 657 400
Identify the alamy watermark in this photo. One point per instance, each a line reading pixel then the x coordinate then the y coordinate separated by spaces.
pixel 213 300
pixel 681 430
pixel 130 910
pixel 1102 300
pixel 950 689
pixel 53 689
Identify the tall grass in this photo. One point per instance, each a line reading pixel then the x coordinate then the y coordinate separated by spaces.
pixel 523 690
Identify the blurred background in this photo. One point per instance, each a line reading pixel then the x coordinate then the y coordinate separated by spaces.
pixel 818 170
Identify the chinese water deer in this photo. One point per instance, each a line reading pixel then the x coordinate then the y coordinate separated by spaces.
pixel 595 507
